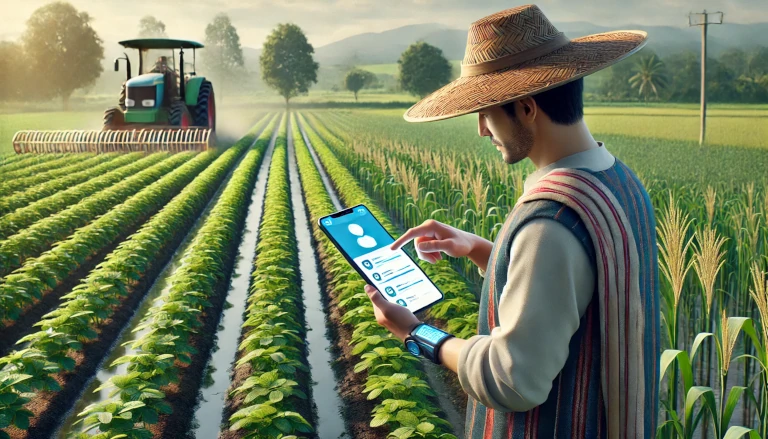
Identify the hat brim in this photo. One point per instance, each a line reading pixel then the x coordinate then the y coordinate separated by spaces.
pixel 581 57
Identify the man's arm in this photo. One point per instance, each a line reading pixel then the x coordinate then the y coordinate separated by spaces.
pixel 433 237
pixel 550 283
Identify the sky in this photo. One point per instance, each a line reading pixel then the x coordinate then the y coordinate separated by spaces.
pixel 325 21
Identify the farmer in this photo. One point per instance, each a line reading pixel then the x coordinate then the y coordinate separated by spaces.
pixel 568 330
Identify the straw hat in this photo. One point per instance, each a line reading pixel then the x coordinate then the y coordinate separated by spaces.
pixel 517 53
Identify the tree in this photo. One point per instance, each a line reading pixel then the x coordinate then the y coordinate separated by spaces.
pixel 736 60
pixel 423 69
pixel 357 79
pixel 286 61
pixel 14 67
pixel 758 61
pixel 649 76
pixel 685 81
pixel 151 27
pixel 63 50
pixel 223 55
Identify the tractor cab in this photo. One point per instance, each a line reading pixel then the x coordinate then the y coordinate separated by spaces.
pixel 163 93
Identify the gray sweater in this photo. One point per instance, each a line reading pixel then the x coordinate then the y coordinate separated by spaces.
pixel 550 283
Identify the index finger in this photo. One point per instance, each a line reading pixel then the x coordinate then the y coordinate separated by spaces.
pixel 415 232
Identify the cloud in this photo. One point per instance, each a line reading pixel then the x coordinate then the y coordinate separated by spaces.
pixel 325 21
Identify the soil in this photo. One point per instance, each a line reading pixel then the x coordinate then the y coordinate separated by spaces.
pixel 49 408
pixel 14 330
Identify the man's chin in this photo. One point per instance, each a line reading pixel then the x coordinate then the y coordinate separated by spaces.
pixel 511 160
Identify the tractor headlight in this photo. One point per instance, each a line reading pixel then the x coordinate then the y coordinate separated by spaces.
pixel 148 103
pixel 130 102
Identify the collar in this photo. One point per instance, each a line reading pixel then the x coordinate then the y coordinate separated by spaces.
pixel 595 159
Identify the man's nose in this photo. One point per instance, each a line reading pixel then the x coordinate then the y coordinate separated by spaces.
pixel 482 130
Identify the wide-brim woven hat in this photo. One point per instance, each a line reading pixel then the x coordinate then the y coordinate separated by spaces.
pixel 517 53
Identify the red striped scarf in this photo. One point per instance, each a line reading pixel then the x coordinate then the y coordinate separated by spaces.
pixel 621 309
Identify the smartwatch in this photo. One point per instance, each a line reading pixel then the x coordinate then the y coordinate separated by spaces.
pixel 425 341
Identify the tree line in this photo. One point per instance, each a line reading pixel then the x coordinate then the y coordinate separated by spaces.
pixel 60 52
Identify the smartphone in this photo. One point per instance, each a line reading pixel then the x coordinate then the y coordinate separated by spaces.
pixel 364 242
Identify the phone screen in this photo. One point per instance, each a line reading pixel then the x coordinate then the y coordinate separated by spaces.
pixel 365 243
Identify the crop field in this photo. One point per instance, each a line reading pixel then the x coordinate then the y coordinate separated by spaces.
pixel 194 295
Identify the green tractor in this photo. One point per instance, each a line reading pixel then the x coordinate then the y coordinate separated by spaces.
pixel 163 94
pixel 163 108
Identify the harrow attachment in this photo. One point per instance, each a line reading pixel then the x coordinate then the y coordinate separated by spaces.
pixel 136 140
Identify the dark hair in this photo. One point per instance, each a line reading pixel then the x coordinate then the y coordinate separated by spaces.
pixel 563 104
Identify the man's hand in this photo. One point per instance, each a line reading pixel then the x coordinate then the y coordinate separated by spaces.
pixel 432 238
pixel 399 320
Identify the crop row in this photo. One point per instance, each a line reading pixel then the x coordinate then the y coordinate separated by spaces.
pixel 59 162
pixel 22 183
pixel 24 208
pixel 78 320
pixel 272 350
pixel 394 379
pixel 12 161
pixel 163 353
pixel 459 310
pixel 39 275
pixel 39 237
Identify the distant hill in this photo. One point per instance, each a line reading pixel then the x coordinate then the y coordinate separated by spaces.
pixel 386 47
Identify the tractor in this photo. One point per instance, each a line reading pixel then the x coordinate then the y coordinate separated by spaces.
pixel 166 107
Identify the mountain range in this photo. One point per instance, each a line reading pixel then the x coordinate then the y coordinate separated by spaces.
pixel 386 47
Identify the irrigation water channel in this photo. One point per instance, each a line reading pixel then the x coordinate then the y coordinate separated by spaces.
pixel 208 414
pixel 330 423
pixel 154 296
pixel 455 418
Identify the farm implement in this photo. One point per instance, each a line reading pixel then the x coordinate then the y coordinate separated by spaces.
pixel 161 109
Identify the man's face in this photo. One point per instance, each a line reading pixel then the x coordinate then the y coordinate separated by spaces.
pixel 507 134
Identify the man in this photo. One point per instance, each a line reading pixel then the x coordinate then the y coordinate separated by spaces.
pixel 568 332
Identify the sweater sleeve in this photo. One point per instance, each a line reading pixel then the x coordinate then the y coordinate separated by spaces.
pixel 550 282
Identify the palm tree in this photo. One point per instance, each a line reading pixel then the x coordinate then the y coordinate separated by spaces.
pixel 649 77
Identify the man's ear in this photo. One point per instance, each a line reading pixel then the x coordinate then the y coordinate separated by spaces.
pixel 528 108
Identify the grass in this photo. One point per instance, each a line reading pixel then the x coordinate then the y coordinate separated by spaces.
pixel 10 123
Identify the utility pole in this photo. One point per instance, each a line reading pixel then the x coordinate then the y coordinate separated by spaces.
pixel 703 19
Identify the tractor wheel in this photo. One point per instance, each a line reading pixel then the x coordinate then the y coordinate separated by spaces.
pixel 205 110
pixel 121 99
pixel 113 118
pixel 178 115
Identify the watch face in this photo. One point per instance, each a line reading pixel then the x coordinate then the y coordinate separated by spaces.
pixel 413 347
pixel 429 333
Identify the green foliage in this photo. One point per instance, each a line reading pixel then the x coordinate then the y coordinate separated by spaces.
pixel 87 161
pixel 273 348
pixel 357 79
pixel 649 78
pixel 171 323
pixel 423 69
pixel 63 50
pixel 286 61
pixel 390 371
pixel 40 236
pixel 38 202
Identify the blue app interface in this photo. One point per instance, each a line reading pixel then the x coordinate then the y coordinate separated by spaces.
pixel 394 274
